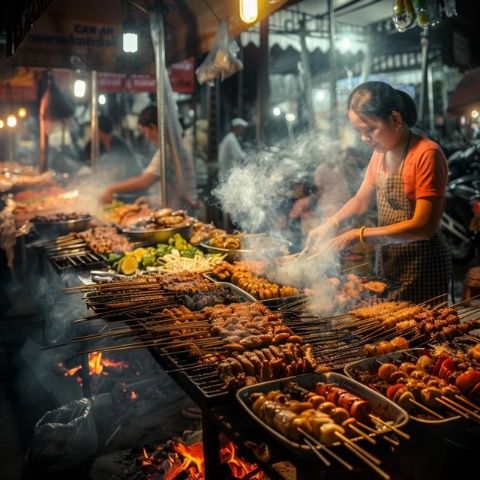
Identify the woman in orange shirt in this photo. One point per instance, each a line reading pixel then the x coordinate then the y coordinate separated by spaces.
pixel 408 175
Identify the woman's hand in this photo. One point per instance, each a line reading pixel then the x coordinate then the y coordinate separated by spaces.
pixel 106 196
pixel 319 235
pixel 341 242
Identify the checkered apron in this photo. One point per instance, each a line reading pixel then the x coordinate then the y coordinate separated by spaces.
pixel 422 269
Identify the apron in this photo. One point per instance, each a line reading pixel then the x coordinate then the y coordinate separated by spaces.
pixel 419 270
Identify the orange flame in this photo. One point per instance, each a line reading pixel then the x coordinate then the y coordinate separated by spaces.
pixel 133 395
pixel 238 467
pixel 72 371
pixel 95 363
pixel 189 459
pixel 192 461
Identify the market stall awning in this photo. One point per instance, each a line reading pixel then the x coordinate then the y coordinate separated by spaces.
pixel 87 34
pixel 466 96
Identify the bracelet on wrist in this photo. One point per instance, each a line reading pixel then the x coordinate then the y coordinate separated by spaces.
pixel 360 236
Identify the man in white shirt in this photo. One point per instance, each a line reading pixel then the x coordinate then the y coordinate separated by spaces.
pixel 230 153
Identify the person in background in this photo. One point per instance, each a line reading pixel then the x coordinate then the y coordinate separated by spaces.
pixel 148 124
pixel 230 153
pixel 408 175
pixel 117 160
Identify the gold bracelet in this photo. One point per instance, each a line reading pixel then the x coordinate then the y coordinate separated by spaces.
pixel 362 229
pixel 335 220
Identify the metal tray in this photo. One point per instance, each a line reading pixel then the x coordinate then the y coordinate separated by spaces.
pixel 59 228
pixel 272 303
pixel 161 235
pixel 380 406
pixel 372 363
pixel 275 246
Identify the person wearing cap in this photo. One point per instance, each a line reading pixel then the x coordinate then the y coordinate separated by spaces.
pixel 230 153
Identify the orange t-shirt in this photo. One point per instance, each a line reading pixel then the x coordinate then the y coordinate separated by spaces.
pixel 425 171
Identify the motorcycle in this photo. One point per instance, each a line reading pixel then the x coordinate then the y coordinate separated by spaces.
pixel 460 221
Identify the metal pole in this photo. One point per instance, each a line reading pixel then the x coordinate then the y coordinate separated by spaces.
pixel 333 69
pixel 94 122
pixel 262 82
pixel 431 106
pixel 307 75
pixel 158 40
pixel 424 87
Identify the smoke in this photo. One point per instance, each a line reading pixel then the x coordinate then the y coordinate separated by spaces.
pixel 258 196
pixel 256 192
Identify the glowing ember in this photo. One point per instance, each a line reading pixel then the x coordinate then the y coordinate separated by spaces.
pixel 133 396
pixel 72 371
pixel 189 459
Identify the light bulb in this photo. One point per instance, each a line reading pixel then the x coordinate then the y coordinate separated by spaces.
pixel 130 42
pixel 12 121
pixel 248 10
pixel 2 123
pixel 290 117
pixel 79 88
pixel 277 112
pixel 22 112
pixel 102 99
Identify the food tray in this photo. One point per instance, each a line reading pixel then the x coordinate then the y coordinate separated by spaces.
pixel 59 228
pixel 272 303
pixel 161 235
pixel 372 363
pixel 262 247
pixel 238 291
pixel 380 406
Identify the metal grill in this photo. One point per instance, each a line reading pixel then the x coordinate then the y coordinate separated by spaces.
pixel 201 381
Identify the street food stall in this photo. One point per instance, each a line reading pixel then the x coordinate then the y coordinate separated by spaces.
pixel 297 358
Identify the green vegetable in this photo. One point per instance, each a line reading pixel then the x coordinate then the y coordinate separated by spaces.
pixel 114 257
pixel 148 260
pixel 188 253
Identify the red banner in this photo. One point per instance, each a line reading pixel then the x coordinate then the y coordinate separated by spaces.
pixel 182 78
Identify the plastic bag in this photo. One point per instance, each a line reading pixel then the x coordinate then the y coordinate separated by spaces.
pixel 64 438
pixel 221 61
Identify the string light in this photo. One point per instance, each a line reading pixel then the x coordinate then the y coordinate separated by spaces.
pixel 22 112
pixel 2 123
pixel 102 99
pixel 12 121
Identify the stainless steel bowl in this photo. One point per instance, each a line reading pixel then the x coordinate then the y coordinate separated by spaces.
pixel 161 235
pixel 262 246
pixel 58 228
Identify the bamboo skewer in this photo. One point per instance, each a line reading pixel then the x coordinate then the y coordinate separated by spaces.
pixel 468 402
pixel 390 427
pixel 374 467
pixel 327 450
pixel 393 442
pixel 451 407
pixel 367 437
pixel 363 455
pixel 428 410
pixel 473 414
pixel 316 452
